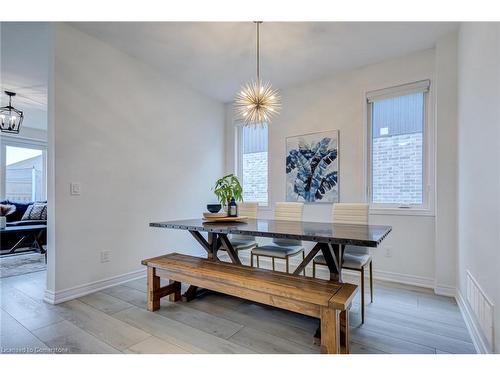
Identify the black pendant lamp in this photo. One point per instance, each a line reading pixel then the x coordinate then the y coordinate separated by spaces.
pixel 10 117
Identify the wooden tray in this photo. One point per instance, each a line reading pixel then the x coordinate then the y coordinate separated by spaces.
pixel 212 215
pixel 225 219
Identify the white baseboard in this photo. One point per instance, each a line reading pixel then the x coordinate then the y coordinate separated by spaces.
pixel 63 295
pixel 479 341
pixel 49 297
pixel 445 290
pixel 82 290
pixel 424 282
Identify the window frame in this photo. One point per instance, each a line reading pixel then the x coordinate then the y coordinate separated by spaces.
pixel 16 141
pixel 428 157
pixel 239 161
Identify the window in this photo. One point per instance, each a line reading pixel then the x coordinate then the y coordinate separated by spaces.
pixel 397 146
pixel 23 171
pixel 252 163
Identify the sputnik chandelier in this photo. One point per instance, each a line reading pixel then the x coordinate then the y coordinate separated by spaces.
pixel 257 102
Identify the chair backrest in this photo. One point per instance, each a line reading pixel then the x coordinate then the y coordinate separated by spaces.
pixel 248 209
pixel 350 213
pixel 289 211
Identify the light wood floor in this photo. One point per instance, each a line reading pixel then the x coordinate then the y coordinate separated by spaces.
pixel 401 320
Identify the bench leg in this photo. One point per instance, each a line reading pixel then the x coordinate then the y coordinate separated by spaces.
pixel 344 331
pixel 330 331
pixel 153 286
pixel 190 294
pixel 176 295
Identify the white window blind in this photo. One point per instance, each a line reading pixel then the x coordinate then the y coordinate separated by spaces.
pixel 390 92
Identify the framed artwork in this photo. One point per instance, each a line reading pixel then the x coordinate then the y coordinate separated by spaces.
pixel 312 168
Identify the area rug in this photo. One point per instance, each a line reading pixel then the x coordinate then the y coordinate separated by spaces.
pixel 20 264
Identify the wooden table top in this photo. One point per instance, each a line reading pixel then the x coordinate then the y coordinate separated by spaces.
pixel 343 234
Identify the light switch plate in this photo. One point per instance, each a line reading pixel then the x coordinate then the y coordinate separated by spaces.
pixel 75 188
pixel 105 256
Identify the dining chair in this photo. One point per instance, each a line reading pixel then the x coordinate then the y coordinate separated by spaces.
pixel 241 241
pixel 282 248
pixel 356 258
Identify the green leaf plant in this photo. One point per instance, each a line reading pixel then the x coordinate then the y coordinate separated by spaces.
pixel 228 187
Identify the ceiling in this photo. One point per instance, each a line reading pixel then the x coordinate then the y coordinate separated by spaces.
pixel 216 57
pixel 24 67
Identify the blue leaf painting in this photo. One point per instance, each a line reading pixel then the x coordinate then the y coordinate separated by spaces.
pixel 312 168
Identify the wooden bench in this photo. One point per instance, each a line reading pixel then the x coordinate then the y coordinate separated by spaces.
pixel 327 300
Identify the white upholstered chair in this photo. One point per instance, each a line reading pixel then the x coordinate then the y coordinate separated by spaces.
pixel 282 248
pixel 356 258
pixel 241 241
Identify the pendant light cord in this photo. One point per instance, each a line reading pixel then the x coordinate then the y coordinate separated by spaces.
pixel 258 50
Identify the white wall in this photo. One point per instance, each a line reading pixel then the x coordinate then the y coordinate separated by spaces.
pixel 143 149
pixel 479 160
pixel 446 165
pixel 38 134
pixel 338 102
pixel 23 69
pixel 16 71
pixel 32 133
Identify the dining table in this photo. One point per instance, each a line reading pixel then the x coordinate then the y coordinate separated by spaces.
pixel 329 238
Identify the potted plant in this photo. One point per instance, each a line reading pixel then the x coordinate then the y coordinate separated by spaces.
pixel 228 187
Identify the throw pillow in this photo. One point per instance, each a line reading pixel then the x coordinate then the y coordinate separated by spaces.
pixel 36 211
pixel 26 215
